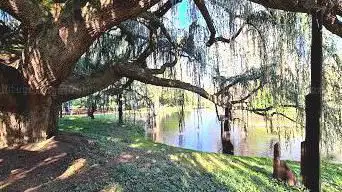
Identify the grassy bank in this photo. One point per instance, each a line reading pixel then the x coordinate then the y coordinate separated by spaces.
pixel 125 161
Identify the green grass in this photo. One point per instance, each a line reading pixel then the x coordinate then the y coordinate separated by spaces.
pixel 142 165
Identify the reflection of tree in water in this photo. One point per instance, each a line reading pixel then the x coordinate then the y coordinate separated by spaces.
pixel 181 121
pixel 227 145
pixel 244 120
pixel 151 122
pixel 276 124
pixel 239 126
pixel 236 121
pixel 199 124
pixel 181 139
pixel 199 143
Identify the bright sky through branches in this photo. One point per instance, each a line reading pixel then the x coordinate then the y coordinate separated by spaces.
pixel 183 18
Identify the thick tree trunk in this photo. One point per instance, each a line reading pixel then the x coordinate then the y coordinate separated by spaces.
pixel 313 104
pixel 227 118
pixel 120 108
pixel 38 121
pixel 227 145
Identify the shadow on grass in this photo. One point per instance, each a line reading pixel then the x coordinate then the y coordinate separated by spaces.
pixel 123 160
pixel 32 165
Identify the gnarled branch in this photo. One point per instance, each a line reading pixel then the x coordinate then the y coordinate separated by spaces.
pixel 248 95
pixel 26 11
pixel 166 7
pixel 205 13
pixel 213 39
pixel 80 86
pixel 332 24
pixel 331 9
pixel 269 108
pixel 118 89
pixel 134 71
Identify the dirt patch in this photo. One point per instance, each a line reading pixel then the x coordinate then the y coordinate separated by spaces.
pixel 29 166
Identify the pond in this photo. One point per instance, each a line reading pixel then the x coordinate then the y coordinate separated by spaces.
pixel 201 131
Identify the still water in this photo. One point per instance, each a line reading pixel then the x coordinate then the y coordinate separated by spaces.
pixel 202 131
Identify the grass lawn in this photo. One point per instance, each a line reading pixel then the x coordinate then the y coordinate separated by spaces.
pixel 125 161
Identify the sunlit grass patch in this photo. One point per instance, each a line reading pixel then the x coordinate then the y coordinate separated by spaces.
pixel 134 163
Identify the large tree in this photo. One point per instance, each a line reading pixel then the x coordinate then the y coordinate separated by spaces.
pixel 39 54
pixel 54 37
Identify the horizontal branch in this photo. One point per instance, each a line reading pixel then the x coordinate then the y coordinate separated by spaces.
pixel 79 86
pixel 162 69
pixel 70 37
pixel 166 7
pixel 269 108
pixel 288 5
pixel 333 24
pixel 243 99
pixel 263 113
pixel 114 12
pixel 135 72
pixel 283 115
pixel 118 89
pixel 250 75
pixel 331 9
pixel 225 40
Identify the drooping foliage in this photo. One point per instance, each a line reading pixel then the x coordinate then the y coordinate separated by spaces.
pixel 264 65
pixel 261 59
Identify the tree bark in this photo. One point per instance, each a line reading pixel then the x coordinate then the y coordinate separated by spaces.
pixel 120 108
pixel 25 114
pixel 313 104
pixel 53 44
pixel 36 122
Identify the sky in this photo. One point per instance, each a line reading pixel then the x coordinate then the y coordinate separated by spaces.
pixel 183 18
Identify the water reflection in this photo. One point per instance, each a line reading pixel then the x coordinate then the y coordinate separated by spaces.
pixel 247 134
pixel 227 145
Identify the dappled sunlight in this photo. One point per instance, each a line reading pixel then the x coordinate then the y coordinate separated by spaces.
pixel 113 139
pixel 174 157
pixel 43 145
pixel 136 145
pixel 52 159
pixel 34 166
pixel 17 174
pixel 218 163
pixel 77 166
pixel 188 159
pixel 112 188
pixel 231 170
pixel 76 128
pixel 125 158
pixel 203 162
